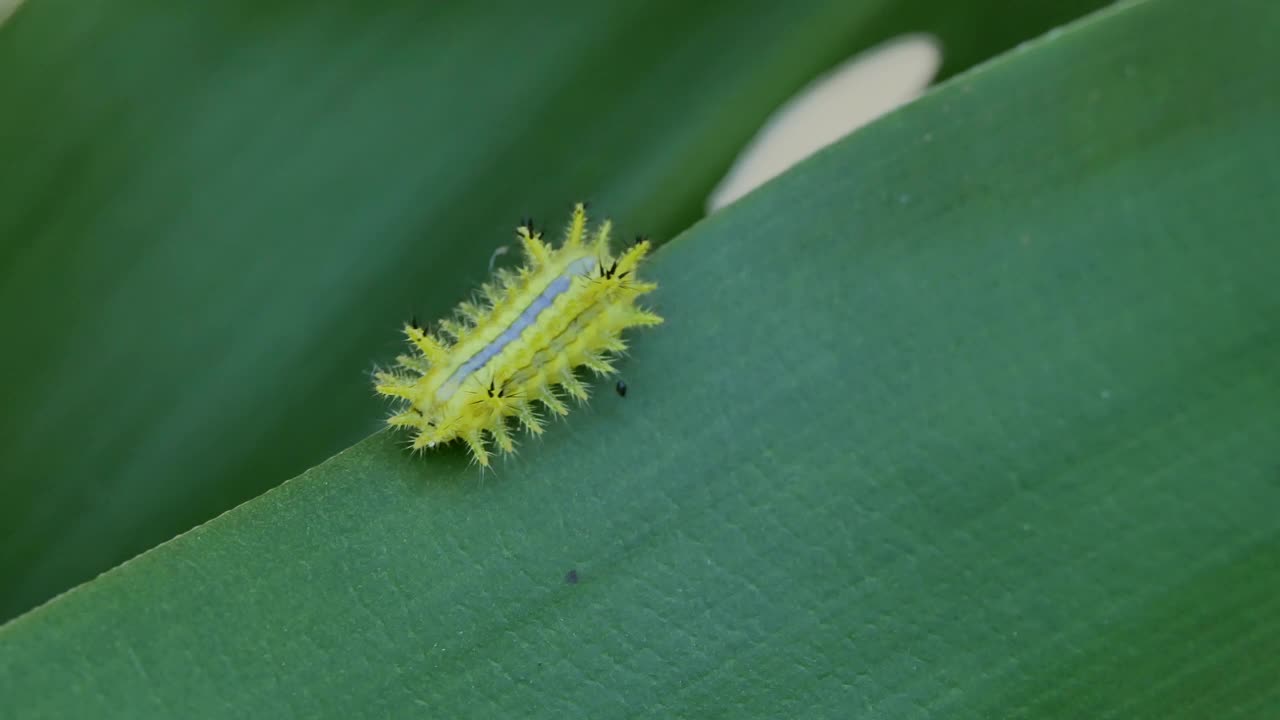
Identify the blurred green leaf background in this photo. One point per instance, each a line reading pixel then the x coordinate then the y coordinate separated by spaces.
pixel 974 414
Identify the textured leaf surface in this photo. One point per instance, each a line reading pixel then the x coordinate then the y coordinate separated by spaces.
pixel 214 216
pixel 972 415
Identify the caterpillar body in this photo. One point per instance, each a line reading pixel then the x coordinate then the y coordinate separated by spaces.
pixel 519 341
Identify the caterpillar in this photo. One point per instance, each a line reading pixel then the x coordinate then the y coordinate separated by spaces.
pixel 512 350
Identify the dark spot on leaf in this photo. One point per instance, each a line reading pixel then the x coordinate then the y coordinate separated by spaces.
pixel 571 577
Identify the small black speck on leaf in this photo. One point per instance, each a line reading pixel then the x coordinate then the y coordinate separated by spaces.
pixel 621 387
pixel 571 577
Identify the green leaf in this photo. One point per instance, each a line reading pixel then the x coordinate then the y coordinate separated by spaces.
pixel 971 415
pixel 215 216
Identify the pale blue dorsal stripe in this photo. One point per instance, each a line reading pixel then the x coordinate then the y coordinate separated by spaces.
pixel 527 317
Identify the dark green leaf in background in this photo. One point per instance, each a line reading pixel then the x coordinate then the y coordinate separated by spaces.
pixel 214 216
pixel 971 416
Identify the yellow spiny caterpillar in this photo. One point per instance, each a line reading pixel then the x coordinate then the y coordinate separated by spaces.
pixel 519 341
